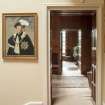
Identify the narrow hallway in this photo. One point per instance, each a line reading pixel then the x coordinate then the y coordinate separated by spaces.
pixel 70 88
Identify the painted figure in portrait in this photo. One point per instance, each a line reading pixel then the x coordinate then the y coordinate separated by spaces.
pixel 20 42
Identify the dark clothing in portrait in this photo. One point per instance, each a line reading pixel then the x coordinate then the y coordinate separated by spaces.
pixel 24 45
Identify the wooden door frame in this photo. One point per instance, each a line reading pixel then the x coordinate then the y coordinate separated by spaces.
pixel 99 49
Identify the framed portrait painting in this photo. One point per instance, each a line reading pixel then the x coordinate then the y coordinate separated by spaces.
pixel 20 36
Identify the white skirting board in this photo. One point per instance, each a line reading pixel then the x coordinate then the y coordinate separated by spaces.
pixel 33 103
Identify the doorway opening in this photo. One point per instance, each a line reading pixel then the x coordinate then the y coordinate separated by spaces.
pixel 73 57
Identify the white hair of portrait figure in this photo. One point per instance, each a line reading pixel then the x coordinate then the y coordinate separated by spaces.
pixel 24 22
pixel 20 35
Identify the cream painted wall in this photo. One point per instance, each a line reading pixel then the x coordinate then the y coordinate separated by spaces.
pixel 23 82
pixel 74 1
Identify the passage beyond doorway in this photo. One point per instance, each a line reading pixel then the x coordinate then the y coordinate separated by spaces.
pixel 69 71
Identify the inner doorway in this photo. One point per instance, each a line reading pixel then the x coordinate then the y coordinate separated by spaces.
pixel 73 56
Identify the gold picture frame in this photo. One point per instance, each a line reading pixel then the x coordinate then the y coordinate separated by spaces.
pixel 20 36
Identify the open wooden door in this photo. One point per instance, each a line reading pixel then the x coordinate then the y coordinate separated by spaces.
pixel 60 53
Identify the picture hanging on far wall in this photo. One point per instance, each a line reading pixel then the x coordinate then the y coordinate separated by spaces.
pixel 20 36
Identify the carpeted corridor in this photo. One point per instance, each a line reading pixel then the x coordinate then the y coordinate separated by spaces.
pixel 71 88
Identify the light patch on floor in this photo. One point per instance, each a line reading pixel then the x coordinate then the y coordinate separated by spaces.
pixel 72 96
pixel 70 69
